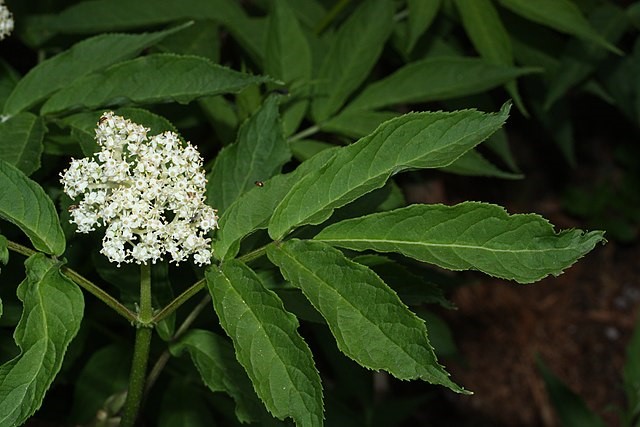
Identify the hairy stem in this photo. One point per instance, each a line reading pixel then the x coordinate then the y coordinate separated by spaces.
pixel 140 351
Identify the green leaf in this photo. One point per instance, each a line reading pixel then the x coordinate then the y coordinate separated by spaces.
pixel 200 39
pixel 288 58
pixel 258 154
pixel 489 36
pixel 498 143
pixel 417 140
pixel 486 31
pixel 435 79
pixel 223 116
pixel 581 59
pixel 354 50
pixel 254 208
pixel 473 163
pixel 287 54
pixel 53 308
pixel 24 203
pixel 412 288
pixel 96 16
pixel 309 12
pixel 21 141
pixel 8 80
pixel 561 15
pixel 631 376
pixel 557 121
pixel 421 15
pixel 468 236
pixel 370 323
pixel 304 149
pixel 215 360
pixel 150 79
pixel 358 123
pixel 268 346
pixel 81 59
pixel 570 407
pixel 440 334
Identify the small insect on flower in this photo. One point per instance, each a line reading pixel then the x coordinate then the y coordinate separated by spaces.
pixel 259 183
pixel 195 218
pixel 71 208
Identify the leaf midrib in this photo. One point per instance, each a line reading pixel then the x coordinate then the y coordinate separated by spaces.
pixel 440 245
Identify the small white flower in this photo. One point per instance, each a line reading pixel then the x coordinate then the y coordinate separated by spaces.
pixel 6 21
pixel 147 192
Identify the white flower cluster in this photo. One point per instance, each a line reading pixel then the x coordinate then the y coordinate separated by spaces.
pixel 148 192
pixel 6 21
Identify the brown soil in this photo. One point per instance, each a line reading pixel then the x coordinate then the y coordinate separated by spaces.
pixel 578 324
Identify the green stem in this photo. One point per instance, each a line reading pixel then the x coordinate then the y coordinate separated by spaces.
pixel 248 257
pixel 145 315
pixel 178 301
pixel 99 293
pixel 83 282
pixel 140 351
pixel 304 133
pixel 17 247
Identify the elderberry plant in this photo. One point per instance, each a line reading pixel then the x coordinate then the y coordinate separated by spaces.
pixel 257 263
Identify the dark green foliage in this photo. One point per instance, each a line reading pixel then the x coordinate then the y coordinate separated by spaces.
pixel 305 111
